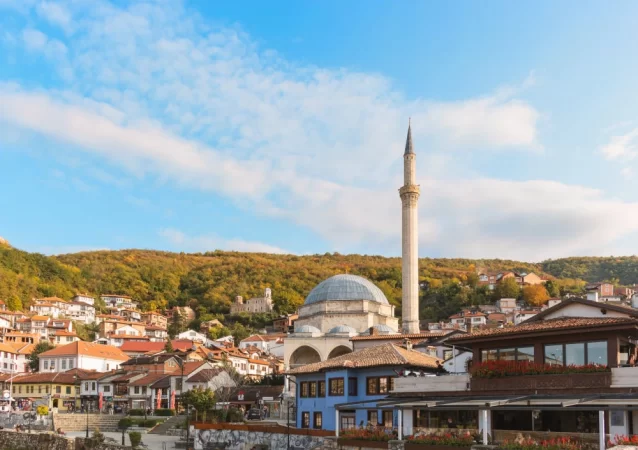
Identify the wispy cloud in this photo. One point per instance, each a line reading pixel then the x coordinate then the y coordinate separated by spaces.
pixel 160 93
pixel 622 147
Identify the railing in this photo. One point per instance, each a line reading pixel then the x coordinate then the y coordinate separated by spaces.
pixel 442 383
pixel 622 377
pixel 523 383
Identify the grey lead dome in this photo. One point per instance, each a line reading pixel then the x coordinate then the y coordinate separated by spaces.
pixel 344 288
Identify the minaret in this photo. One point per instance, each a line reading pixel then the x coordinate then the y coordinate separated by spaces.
pixel 410 239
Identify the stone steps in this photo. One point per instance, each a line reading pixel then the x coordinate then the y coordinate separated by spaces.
pixel 77 422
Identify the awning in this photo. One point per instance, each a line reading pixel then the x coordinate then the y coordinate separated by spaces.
pixel 531 402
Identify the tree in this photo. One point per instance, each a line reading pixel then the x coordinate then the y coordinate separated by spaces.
pixel 177 324
pixel 202 400
pixel 34 357
pixel 553 288
pixel 14 303
pixel 168 348
pixel 507 288
pixel 535 294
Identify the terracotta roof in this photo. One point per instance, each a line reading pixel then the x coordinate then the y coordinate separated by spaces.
pixel 562 323
pixel 52 299
pixel 382 355
pixel 126 376
pixel 148 359
pixel 191 366
pixel 259 361
pixel 88 349
pixel 412 336
pixel 154 327
pixel 467 314
pixel 625 309
pixel 21 348
pixel 115 295
pixel 142 346
pixel 205 375
pixel 148 379
pixel 40 318
pixel 67 377
pixel 126 336
pixel 63 333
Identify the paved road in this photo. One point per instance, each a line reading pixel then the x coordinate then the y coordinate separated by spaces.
pixel 154 441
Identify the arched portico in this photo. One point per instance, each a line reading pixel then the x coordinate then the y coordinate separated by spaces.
pixel 338 351
pixel 304 355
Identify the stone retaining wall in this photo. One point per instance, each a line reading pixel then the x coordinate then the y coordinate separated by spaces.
pixel 245 440
pixel 12 440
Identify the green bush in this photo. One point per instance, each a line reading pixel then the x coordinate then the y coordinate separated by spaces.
pixel 235 415
pixel 135 437
pixel 126 422
pixel 135 412
pixel 164 412
pixel 149 423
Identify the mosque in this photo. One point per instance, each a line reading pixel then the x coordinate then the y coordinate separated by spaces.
pixel 347 305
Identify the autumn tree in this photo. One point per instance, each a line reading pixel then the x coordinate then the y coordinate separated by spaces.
pixel 535 294
pixel 168 347
pixel 202 400
pixel 34 357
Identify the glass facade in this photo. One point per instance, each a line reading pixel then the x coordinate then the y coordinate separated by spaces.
pixel 508 354
pixel 577 353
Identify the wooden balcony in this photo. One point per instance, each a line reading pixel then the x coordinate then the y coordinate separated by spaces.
pixel 543 383
pixel 443 383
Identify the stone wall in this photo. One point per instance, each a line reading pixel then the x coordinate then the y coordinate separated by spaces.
pixel 12 440
pixel 13 419
pixel 245 440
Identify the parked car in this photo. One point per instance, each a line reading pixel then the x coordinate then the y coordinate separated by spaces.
pixel 254 414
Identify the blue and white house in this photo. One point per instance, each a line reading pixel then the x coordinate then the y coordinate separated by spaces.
pixel 342 392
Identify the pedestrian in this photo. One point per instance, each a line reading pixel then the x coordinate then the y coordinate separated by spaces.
pixel 451 423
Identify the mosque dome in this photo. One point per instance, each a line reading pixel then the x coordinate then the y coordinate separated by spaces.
pixel 342 329
pixel 346 287
pixel 307 329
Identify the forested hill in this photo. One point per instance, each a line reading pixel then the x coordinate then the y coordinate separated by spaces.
pixel 211 280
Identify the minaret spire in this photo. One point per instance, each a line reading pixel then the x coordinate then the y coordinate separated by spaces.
pixel 410 239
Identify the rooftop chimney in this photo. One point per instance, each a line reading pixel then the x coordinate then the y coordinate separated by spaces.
pixel 408 344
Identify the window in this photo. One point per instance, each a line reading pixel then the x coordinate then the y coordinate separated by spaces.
pixel 19 389
pixel 68 389
pixel 178 384
pixel 379 385
pixel 313 389
pixel 336 386
pixel 46 364
pixel 86 386
pixel 373 417
pixel 347 420
pixel 352 386
pixel 577 353
pixel 58 389
pixel 387 419
pixel 77 390
pixel 304 389
pixel 93 386
pixel 39 389
pixel 63 364
pixel 107 388
pixel 322 388
pixel 305 419
pixel 508 354
pixel 46 389
pixel 14 389
pixel 144 390
pixel 317 421
pixel 137 389
pixel 71 362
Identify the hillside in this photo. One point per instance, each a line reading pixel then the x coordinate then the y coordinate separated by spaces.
pixel 211 280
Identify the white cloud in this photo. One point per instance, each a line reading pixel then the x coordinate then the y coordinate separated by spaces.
pixel 55 13
pixel 211 242
pixel 622 147
pixel 627 172
pixel 157 92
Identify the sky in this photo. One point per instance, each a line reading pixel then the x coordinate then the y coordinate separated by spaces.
pixel 280 126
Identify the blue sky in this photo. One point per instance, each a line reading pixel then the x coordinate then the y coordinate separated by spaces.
pixel 279 126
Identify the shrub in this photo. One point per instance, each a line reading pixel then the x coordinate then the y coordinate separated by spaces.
pixel 561 443
pixel 42 410
pixel 499 369
pixel 370 434
pixel 149 423
pixel 164 412
pixel 135 437
pixel 234 415
pixel 448 438
pixel 126 422
pixel 623 440
pixel 135 412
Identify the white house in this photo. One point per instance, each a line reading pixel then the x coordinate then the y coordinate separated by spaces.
pixel 214 379
pixel 84 298
pixel 80 311
pixel 155 333
pixel 194 336
pixel 83 355
pixel 46 309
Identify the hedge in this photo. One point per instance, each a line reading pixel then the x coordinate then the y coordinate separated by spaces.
pixel 164 412
pixel 135 412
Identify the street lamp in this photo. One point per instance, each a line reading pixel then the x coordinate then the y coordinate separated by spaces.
pixel 181 392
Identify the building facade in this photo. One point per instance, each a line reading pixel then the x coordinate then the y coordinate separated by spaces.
pixel 253 305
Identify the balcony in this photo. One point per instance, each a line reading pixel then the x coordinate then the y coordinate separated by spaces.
pixel 443 383
pixel 624 377
pixel 550 383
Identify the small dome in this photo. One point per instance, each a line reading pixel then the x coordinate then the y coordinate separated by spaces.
pixel 307 329
pixel 346 287
pixel 342 329
pixel 381 329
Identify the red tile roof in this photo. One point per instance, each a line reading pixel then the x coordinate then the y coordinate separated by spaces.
pixel 412 336
pixel 142 346
pixel 148 379
pixel 382 355
pixel 88 349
